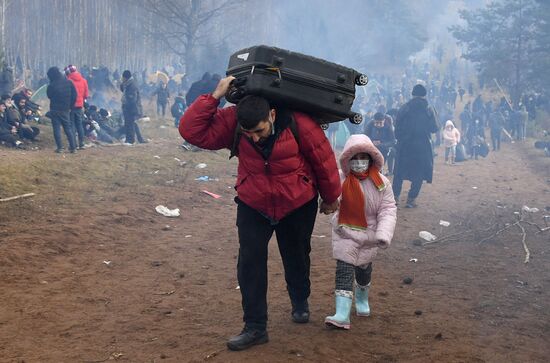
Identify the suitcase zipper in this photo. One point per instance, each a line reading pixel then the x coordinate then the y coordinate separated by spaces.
pixel 296 77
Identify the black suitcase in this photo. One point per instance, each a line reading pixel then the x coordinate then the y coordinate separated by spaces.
pixel 322 89
pixel 460 153
pixel 484 149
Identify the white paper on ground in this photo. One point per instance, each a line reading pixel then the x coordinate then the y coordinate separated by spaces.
pixel 167 212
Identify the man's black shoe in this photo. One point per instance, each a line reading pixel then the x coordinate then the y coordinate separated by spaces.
pixel 247 338
pixel 300 317
pixel 300 312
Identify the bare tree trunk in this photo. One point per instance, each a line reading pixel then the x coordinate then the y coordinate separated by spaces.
pixel 516 89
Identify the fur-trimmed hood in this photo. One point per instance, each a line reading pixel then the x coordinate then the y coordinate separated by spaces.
pixel 360 144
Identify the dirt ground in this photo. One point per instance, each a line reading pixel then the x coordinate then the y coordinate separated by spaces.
pixel 92 273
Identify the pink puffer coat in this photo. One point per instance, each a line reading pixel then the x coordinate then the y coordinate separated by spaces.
pixel 359 247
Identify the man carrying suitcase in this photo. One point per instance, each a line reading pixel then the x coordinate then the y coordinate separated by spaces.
pixel 285 161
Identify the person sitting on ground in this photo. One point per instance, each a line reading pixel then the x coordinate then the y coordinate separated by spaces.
pixel 26 95
pixel 8 133
pixel 24 111
pixel 108 125
pixel 14 118
pixel 365 221
pixel 95 133
pixel 451 138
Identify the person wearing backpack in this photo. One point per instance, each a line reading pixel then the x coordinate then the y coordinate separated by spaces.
pixel 281 173
pixel 178 108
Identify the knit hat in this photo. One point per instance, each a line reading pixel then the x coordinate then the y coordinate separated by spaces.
pixel 419 91
pixel 126 74
pixel 69 69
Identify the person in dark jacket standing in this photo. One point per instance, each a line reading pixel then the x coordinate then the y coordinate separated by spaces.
pixel 381 135
pixel 62 95
pixel 496 124
pixel 198 88
pixel 163 95
pixel 285 161
pixel 414 124
pixel 131 108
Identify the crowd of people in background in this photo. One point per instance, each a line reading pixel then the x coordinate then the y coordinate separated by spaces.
pixel 99 115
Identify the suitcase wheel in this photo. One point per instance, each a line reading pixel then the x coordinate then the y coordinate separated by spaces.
pixel 357 118
pixel 361 80
pixel 234 95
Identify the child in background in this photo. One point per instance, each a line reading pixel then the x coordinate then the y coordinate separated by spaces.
pixel 365 221
pixel 451 138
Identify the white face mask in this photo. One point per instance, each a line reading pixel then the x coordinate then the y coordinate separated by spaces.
pixel 359 166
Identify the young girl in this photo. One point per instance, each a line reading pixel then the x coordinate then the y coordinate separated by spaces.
pixel 365 221
pixel 451 138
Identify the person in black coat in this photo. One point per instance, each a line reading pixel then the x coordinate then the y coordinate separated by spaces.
pixel 131 108
pixel 414 124
pixel 163 94
pixel 200 87
pixel 62 95
pixel 381 134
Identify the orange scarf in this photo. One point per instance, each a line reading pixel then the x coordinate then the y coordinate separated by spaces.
pixel 352 204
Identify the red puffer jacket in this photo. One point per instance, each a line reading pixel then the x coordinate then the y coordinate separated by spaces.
pixel 81 86
pixel 289 178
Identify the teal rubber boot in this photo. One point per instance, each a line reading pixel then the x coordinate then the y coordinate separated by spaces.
pixel 344 301
pixel 362 307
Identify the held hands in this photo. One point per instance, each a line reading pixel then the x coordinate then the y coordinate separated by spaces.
pixel 222 87
pixel 327 208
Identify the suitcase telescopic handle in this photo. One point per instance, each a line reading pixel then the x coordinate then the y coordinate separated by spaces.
pixel 276 82
pixel 275 69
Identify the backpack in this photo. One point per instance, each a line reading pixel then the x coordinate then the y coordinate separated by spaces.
pixel 238 133
pixel 176 110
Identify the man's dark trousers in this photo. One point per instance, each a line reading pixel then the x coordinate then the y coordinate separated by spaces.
pixel 131 128
pixel 413 192
pixel 294 239
pixel 59 119
pixel 77 118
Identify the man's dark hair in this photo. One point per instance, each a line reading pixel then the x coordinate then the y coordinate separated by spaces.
pixel 379 116
pixel 126 74
pixel 251 110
